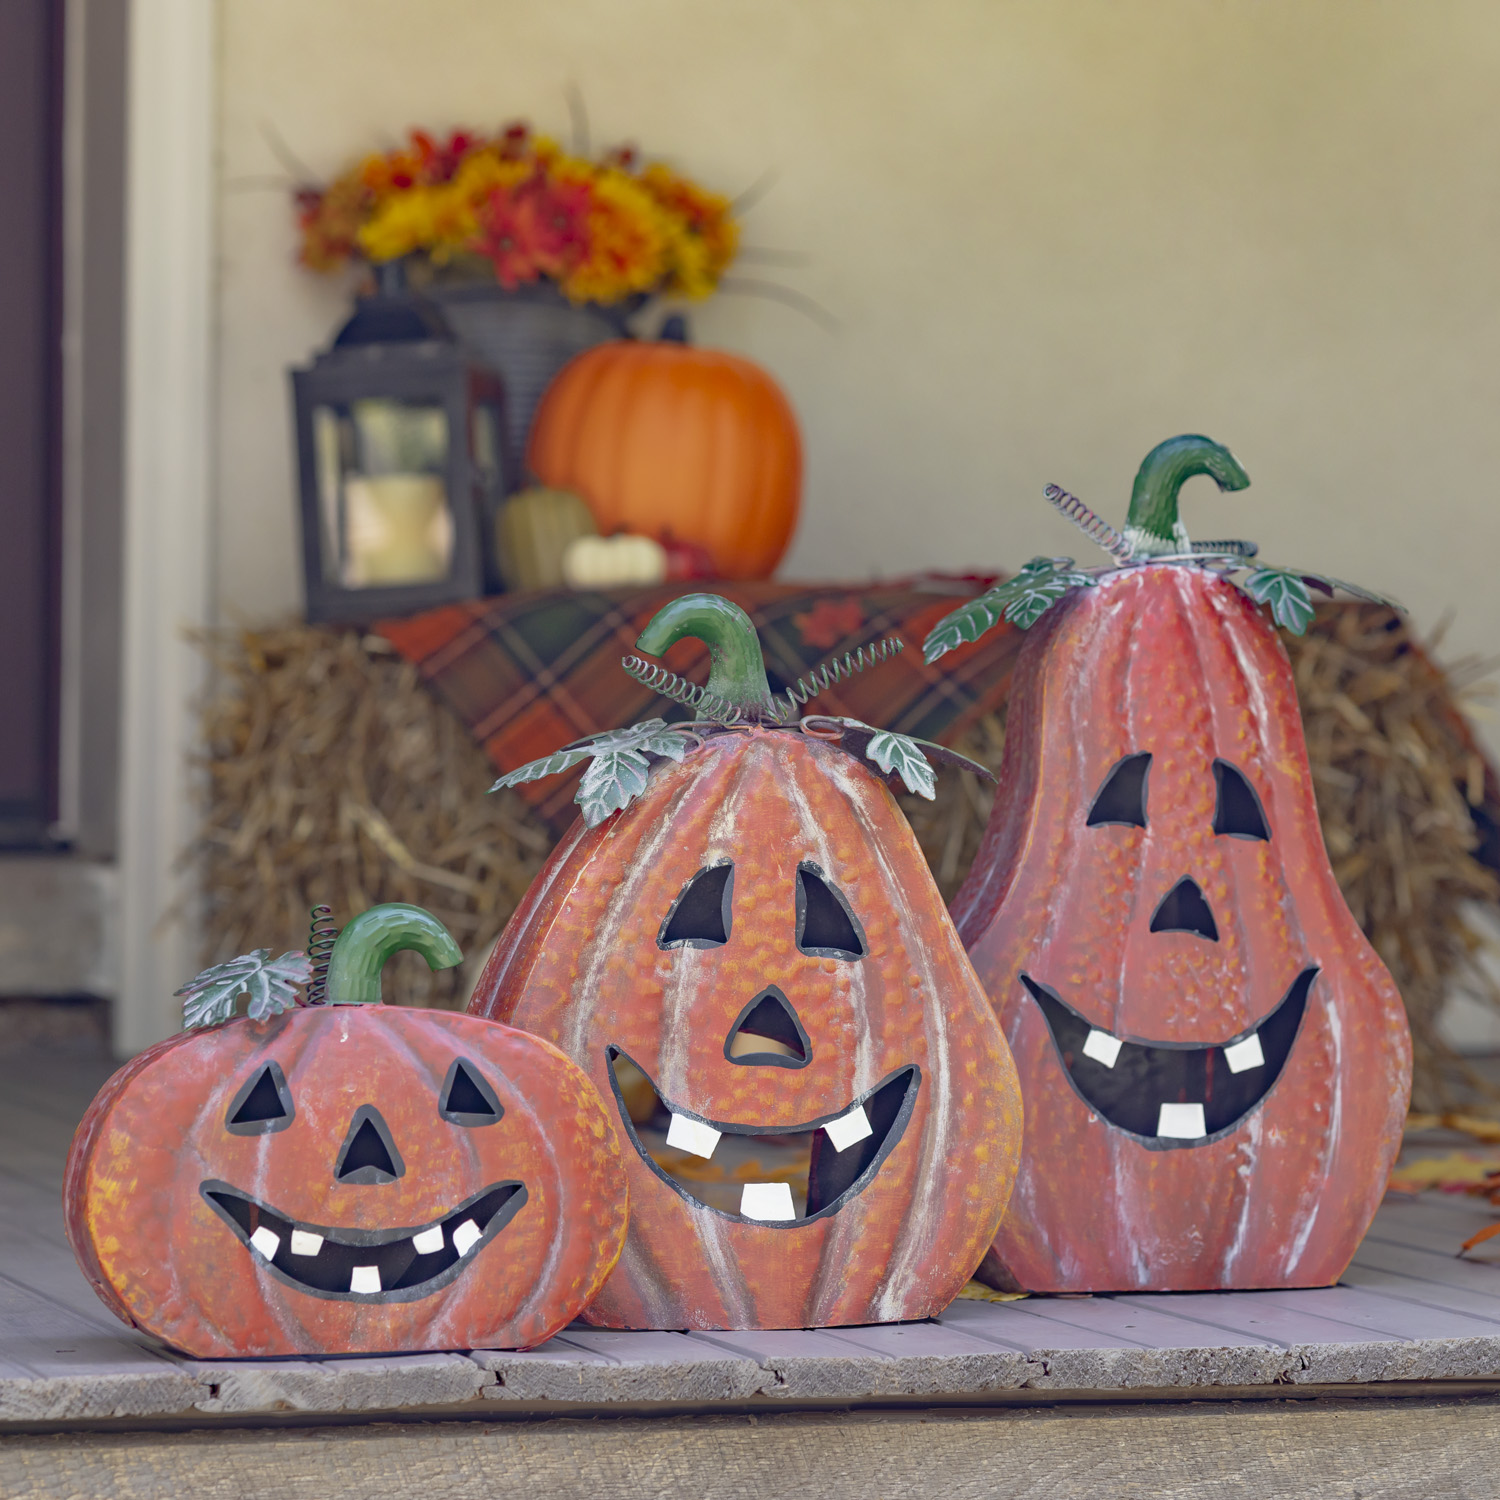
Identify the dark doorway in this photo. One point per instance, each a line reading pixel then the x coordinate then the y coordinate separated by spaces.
pixel 31 40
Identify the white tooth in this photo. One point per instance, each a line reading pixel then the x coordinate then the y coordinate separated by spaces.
pixel 692 1135
pixel 1244 1055
pixel 767 1200
pixel 266 1241
pixel 1102 1047
pixel 1181 1122
pixel 364 1279
pixel 429 1241
pixel 304 1243
pixel 466 1236
pixel 847 1129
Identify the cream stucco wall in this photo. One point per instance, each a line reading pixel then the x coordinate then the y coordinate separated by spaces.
pixel 1052 231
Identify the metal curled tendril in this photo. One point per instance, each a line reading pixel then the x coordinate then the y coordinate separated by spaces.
pixel 1093 526
pixel 668 684
pixel 322 933
pixel 822 678
pixel 719 710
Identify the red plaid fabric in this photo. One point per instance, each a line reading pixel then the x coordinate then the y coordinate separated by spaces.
pixel 531 672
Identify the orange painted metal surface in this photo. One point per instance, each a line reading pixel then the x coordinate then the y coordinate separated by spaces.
pixel 164 1199
pixel 665 440
pixel 1172 661
pixel 580 964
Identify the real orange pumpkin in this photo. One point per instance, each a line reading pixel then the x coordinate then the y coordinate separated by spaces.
pixel 349 1177
pixel 666 440
pixel 755 949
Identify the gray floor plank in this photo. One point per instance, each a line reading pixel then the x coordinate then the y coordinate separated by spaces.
pixel 1149 1326
pixel 1253 1315
pixel 1385 1315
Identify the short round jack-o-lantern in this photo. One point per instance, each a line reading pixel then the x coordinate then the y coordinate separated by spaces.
pixel 1215 1062
pixel 346 1177
pixel 752 961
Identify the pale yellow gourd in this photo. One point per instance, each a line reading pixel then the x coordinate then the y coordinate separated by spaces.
pixel 597 562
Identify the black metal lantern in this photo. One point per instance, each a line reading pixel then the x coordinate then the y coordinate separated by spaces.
pixel 403 462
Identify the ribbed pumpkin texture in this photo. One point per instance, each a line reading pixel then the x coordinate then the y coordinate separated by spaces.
pixel 580 964
pixel 253 1127
pixel 663 439
pixel 1214 1061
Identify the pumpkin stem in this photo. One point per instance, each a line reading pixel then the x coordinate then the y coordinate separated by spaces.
pixel 737 671
pixel 372 937
pixel 1152 526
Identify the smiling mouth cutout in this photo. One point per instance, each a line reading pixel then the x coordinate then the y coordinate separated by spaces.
pixel 836 1155
pixel 1171 1094
pixel 363 1265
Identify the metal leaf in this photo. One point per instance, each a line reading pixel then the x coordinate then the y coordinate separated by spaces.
pixel 210 997
pixel 899 753
pixel 967 623
pixel 1286 593
pixel 1368 595
pixel 1022 600
pixel 552 765
pixel 614 779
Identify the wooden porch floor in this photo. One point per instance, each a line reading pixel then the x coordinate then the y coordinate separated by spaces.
pixel 1408 1320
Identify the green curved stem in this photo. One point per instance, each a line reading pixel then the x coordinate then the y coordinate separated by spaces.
pixel 737 673
pixel 372 937
pixel 1152 526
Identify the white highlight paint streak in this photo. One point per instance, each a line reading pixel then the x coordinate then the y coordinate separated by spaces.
pixel 907 1265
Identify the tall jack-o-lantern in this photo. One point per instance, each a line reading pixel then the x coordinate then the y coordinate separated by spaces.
pixel 752 960
pixel 1214 1062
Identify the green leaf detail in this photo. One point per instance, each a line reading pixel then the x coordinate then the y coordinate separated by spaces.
pixel 552 765
pixel 1359 592
pixel 1021 600
pixel 1287 594
pixel 618 768
pixel 901 754
pixel 209 997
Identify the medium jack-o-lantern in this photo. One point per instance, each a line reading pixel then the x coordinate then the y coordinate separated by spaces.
pixel 347 1177
pixel 1215 1063
pixel 753 961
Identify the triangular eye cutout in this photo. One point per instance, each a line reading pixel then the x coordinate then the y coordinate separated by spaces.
pixel 368 1154
pixel 466 1097
pixel 1183 909
pixel 1122 798
pixel 262 1105
pixel 1238 813
pixel 701 915
pixel 826 927
pixel 768 1033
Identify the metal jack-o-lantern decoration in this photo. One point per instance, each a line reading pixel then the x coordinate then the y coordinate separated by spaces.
pixel 403 463
pixel 1214 1062
pixel 742 945
pixel 345 1177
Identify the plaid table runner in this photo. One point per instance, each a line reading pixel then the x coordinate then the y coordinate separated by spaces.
pixel 530 672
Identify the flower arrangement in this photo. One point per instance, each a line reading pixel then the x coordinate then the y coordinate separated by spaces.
pixel 600 230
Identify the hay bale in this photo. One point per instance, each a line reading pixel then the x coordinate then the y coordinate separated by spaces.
pixel 334 776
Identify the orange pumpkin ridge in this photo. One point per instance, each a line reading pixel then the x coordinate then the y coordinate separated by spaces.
pixel 581 966
pixel 1171 660
pixel 662 439
pixel 164 1193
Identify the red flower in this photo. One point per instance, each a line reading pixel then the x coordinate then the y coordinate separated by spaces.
pixel 538 228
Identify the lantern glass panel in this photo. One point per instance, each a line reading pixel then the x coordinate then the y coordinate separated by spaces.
pixel 383 500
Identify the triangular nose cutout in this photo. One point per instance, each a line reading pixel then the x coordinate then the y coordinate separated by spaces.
pixel 369 1154
pixel 1183 909
pixel 768 1033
